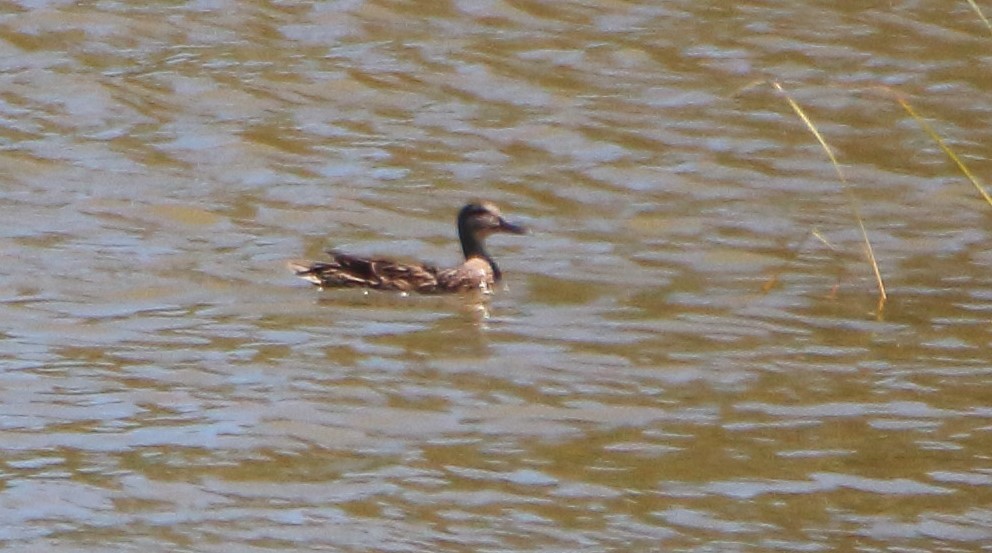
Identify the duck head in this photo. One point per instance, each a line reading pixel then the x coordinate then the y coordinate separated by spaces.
pixel 476 221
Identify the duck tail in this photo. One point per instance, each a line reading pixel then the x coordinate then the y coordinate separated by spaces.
pixel 299 266
pixel 305 270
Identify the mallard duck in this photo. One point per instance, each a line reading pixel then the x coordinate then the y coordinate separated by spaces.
pixel 476 221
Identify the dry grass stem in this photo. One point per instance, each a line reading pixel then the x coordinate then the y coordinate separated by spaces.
pixel 981 15
pixel 870 252
pixel 819 236
pixel 943 146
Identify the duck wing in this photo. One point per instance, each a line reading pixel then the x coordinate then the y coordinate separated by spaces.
pixel 345 270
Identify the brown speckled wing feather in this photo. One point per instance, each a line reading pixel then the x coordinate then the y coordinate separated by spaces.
pixel 346 270
pixel 408 277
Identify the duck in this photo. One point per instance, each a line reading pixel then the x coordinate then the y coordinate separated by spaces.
pixel 476 222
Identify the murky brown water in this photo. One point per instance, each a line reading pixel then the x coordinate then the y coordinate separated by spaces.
pixel 166 385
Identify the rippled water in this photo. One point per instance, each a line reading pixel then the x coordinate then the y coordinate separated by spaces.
pixel 688 356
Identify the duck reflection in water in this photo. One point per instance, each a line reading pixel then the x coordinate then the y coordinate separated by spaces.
pixel 476 221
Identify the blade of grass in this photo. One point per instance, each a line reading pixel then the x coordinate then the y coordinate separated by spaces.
pixel 978 10
pixel 943 146
pixel 819 236
pixel 840 174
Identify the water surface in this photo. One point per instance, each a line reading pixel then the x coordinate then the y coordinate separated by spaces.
pixel 688 354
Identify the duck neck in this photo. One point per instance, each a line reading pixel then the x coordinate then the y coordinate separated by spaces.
pixel 473 246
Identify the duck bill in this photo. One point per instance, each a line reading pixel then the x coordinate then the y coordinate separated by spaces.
pixel 506 226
